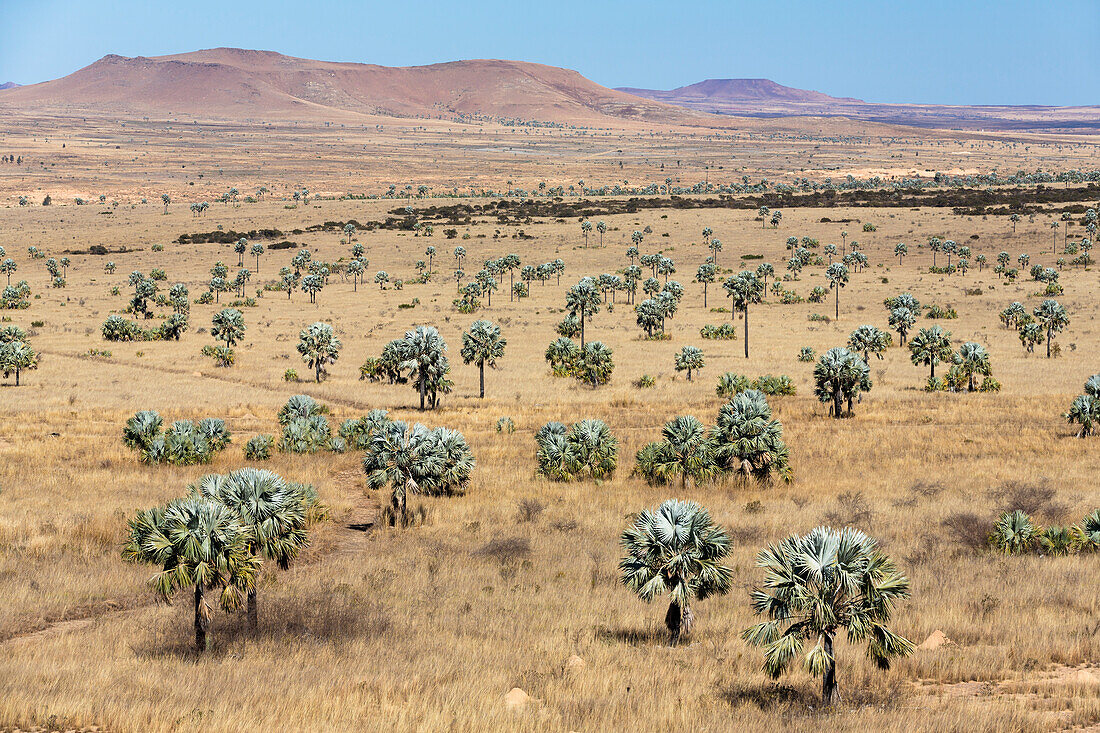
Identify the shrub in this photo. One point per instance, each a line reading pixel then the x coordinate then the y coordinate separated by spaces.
pixel 818 294
pixel 258 448
pixel 291 375
pixel 645 381
pixel 807 354
pixel 939 312
pixel 989 384
pixel 730 384
pixel 723 332
pixel 774 386
pixel 117 328
pixel 585 448
pixel 506 425
pixel 183 443
pixel 1014 533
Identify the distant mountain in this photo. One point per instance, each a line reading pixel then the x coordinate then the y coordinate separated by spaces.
pixel 765 98
pixel 240 84
pixel 726 91
pixel 8 85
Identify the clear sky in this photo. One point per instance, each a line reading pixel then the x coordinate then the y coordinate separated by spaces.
pixel 936 51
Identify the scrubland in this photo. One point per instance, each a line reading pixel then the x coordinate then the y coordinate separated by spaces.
pixel 427 628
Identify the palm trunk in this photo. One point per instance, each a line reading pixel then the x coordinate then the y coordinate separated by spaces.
pixel 704 295
pixel 837 409
pixel 202 622
pixel 828 680
pixel 746 330
pixel 422 380
pixel 582 328
pixel 837 302
pixel 933 374
pixel 1049 336
pixel 673 620
pixel 481 367
pixel 253 610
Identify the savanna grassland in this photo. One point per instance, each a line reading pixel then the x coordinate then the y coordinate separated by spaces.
pixel 428 628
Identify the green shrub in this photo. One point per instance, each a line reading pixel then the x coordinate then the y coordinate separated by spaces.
pixel 258 448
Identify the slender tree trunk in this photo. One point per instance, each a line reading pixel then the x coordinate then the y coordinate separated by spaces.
pixel 828 680
pixel 1050 335
pixel 933 363
pixel 253 611
pixel 704 295
pixel 837 302
pixel 202 622
pixel 673 620
pixel 423 386
pixel 582 328
pixel 837 409
pixel 481 366
pixel 746 330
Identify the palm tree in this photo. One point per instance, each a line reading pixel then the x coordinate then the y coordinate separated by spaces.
pixel 972 359
pixel 901 249
pixel 743 289
pixel 705 274
pixel 257 250
pixel 1052 316
pixel 748 441
pixel 837 274
pixel 840 376
pixel 240 248
pixel 198 544
pixel 583 301
pixel 273 513
pixel 902 320
pixel 763 216
pixel 676 549
pixel 17 356
pixel 816 585
pixel 1085 411
pixel 228 326
pixel 689 359
pixel 319 346
pixel 1014 219
pixel 594 364
pixel 601 227
pixel 929 347
pixel 395 456
pixel 586 229
pixel 684 450
pixel 483 344
pixel 868 339
pixel 424 350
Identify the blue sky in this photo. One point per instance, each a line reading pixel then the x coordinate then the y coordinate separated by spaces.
pixel 982 52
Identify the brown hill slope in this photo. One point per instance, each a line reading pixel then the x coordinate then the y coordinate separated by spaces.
pixel 235 83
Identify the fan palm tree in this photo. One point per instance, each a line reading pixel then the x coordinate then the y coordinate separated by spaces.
pixel 1085 411
pixel 869 340
pixel 929 347
pixel 319 346
pixel 228 326
pixel 748 441
pixel 17 357
pixel 395 456
pixel 586 229
pixel 482 345
pixel 198 544
pixel 840 375
pixel 972 360
pixel 685 450
pixel 690 359
pixel 818 584
pixel 902 320
pixel 837 275
pixel 744 288
pixel 705 275
pixel 676 549
pixel 1052 316
pixel 424 351
pixel 583 301
pixel 273 513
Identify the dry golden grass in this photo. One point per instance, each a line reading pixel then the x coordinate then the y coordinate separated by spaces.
pixel 428 628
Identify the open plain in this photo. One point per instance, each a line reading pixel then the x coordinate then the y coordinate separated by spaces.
pixel 429 627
